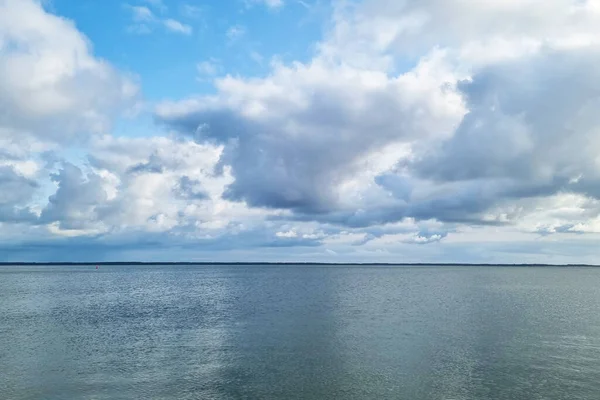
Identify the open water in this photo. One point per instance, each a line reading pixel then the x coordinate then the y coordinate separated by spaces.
pixel 299 332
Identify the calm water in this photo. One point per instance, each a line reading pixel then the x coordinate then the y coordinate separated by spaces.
pixel 291 332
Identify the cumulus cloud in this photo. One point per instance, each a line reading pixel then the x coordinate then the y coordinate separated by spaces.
pixel 75 204
pixel 164 190
pixel 294 138
pixel 158 185
pixel 469 131
pixel 476 32
pixel 155 181
pixel 531 132
pixel 52 88
pixel 53 92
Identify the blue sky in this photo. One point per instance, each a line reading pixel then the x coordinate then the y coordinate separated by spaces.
pixel 299 130
pixel 238 36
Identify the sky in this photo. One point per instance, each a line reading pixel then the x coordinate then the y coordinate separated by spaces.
pixel 300 130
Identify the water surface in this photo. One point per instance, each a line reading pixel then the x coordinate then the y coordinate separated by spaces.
pixel 299 332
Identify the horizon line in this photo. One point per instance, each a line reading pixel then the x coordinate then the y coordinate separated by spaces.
pixel 191 263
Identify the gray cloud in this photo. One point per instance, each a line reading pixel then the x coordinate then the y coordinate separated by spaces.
pixel 528 119
pixel 310 133
pixel 15 192
pixel 77 199
pixel 531 131
pixel 188 188
pixel 153 165
pixel 528 133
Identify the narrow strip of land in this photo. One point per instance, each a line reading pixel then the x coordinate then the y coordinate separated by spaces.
pixel 134 263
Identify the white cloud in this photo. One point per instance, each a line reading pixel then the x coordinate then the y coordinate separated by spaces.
pixel 154 184
pixel 145 20
pixel 142 14
pixel 177 27
pixel 288 234
pixel 208 68
pixel 52 87
pixel 54 93
pixel 235 32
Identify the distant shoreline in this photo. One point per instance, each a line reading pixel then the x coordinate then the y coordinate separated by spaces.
pixel 136 263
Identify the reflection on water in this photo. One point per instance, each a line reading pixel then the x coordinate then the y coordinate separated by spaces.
pixel 299 332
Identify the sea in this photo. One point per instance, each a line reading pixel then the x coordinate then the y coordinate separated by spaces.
pixel 299 332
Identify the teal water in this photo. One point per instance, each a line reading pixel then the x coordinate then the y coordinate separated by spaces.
pixel 299 332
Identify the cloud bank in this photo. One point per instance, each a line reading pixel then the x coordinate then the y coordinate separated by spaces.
pixel 418 131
